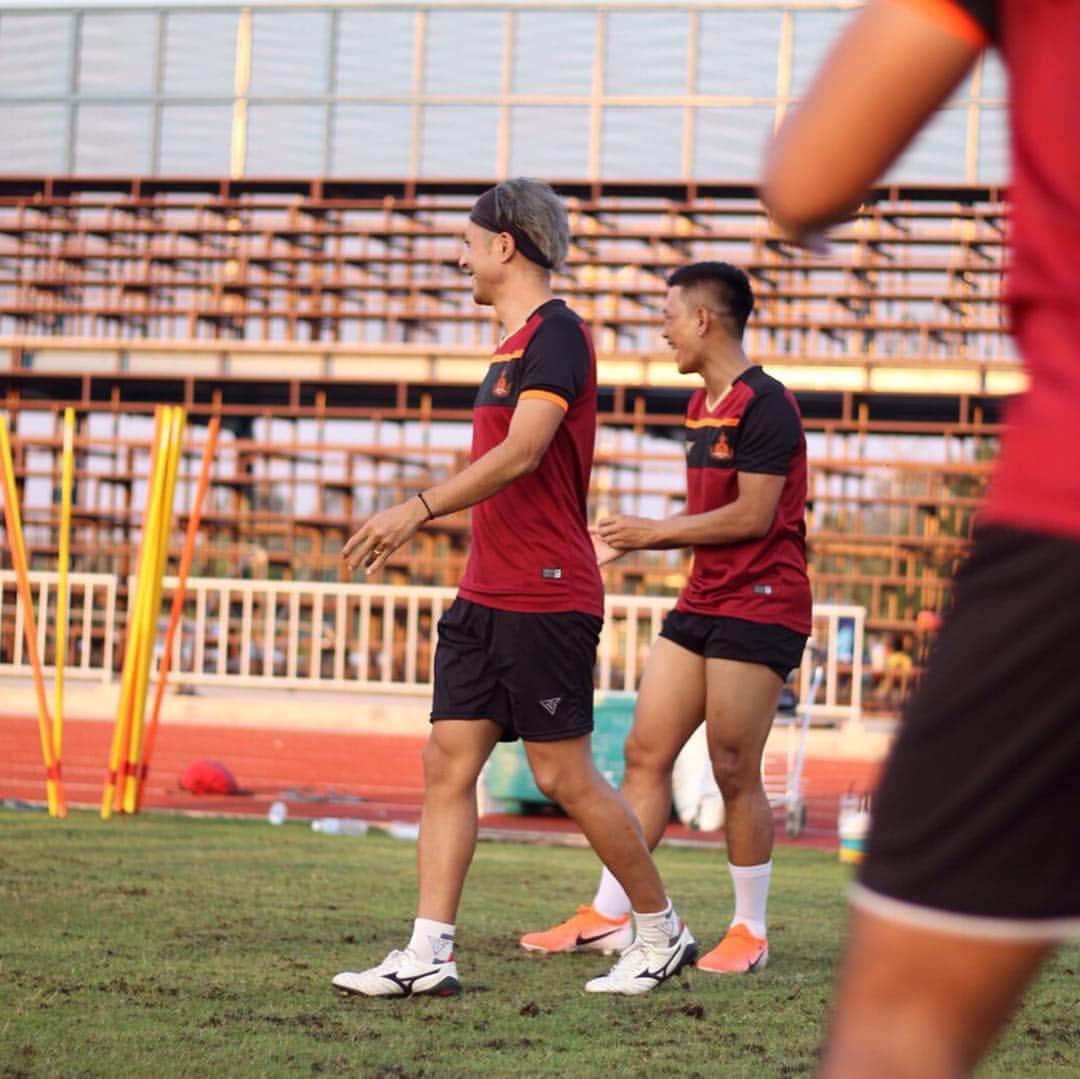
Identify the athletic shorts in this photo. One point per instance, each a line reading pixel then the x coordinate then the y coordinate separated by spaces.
pixel 776 647
pixel 530 673
pixel 976 824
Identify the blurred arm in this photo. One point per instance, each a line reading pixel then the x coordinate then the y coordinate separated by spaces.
pixel 892 67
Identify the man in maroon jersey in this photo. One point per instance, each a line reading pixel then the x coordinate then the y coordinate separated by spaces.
pixel 741 621
pixel 973 864
pixel 517 648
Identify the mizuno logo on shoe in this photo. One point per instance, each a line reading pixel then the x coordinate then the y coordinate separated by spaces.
pixel 550 705
pixel 661 973
pixel 407 982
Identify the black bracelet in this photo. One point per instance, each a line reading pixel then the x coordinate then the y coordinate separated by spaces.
pixel 423 500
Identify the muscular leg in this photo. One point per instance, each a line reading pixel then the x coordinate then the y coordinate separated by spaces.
pixel 670 705
pixel 741 704
pixel 922 1004
pixel 565 772
pixel 454 755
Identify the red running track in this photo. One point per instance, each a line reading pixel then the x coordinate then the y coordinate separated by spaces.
pixel 377 777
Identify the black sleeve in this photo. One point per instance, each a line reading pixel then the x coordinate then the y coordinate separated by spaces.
pixel 769 434
pixel 984 12
pixel 557 359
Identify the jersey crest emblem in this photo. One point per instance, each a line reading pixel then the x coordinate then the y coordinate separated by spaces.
pixel 502 387
pixel 721 449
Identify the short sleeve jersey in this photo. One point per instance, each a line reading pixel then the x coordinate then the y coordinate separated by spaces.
pixel 1037 482
pixel 531 549
pixel 755 427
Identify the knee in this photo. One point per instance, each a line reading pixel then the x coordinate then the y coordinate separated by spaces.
pixel 445 770
pixel 736 771
pixel 645 758
pixel 562 784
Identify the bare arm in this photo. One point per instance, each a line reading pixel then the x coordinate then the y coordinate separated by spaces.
pixel 532 428
pixel 889 71
pixel 748 517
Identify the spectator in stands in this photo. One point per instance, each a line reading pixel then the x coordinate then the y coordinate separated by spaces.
pixel 741 621
pixel 892 690
pixel 516 649
pixel 973 864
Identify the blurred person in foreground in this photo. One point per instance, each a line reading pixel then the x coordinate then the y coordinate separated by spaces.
pixel 973 866
pixel 517 648
pixel 740 623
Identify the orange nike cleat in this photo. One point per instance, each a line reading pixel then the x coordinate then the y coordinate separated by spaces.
pixel 740 952
pixel 586 931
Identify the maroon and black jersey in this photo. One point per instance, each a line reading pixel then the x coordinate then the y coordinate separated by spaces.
pixel 531 549
pixel 1037 482
pixel 756 427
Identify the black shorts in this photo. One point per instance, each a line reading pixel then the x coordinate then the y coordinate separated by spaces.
pixel 776 647
pixel 530 673
pixel 976 824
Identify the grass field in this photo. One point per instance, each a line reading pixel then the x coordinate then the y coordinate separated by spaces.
pixel 166 946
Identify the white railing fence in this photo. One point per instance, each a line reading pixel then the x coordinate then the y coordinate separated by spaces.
pixel 92 623
pixel 355 637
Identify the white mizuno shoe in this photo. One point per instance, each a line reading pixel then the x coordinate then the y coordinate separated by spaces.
pixel 401 974
pixel 641 967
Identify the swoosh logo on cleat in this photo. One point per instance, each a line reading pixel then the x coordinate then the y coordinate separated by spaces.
pixel 592 940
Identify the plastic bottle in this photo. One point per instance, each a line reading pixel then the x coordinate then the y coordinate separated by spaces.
pixel 853 827
pixel 339 826
pixel 278 812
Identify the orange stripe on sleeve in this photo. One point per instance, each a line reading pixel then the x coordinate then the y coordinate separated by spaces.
pixel 708 421
pixel 951 18
pixel 543 395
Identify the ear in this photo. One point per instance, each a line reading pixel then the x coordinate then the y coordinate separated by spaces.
pixel 505 247
pixel 704 320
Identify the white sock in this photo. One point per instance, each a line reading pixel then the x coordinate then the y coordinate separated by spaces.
pixel 432 942
pixel 751 895
pixel 658 928
pixel 610 899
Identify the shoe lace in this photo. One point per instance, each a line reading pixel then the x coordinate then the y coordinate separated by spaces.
pixel 740 934
pixel 630 959
pixel 577 921
pixel 393 961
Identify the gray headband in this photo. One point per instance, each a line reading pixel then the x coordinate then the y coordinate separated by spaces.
pixel 485 214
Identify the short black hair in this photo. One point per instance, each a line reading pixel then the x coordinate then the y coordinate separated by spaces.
pixel 726 287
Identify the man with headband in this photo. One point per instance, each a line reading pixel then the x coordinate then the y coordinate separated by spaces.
pixel 517 648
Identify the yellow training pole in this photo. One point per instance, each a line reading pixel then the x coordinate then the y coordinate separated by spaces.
pixel 120 730
pixel 54 789
pixel 146 657
pixel 66 483
pixel 177 609
pixel 146 621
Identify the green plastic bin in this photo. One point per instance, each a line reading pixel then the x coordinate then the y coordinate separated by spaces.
pixel 509 779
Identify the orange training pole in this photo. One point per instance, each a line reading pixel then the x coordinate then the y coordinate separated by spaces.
pixel 54 788
pixel 178 601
